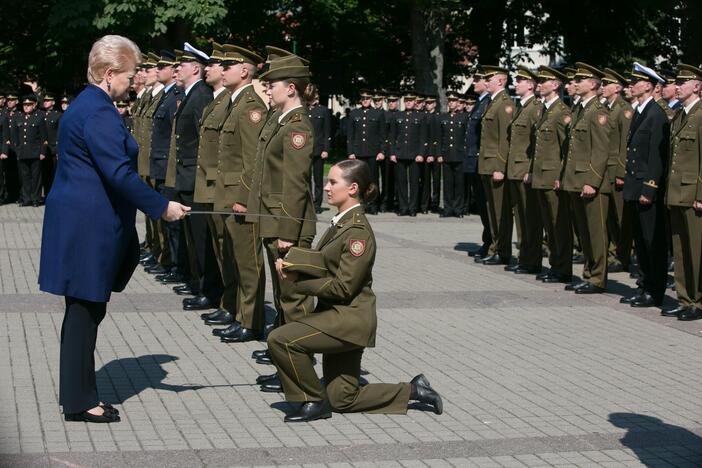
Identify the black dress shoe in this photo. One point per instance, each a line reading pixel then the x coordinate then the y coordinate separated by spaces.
pixel 272 385
pixel 544 275
pixel 261 379
pixel 157 269
pixel 265 360
pixel 575 285
pixel 413 214
pixel 260 352
pixel 171 278
pixel 197 303
pixel 630 299
pixel 149 263
pixel 310 411
pixel 185 290
pixel 231 330
pixel 226 318
pixel 147 258
pixel 690 314
pixel 589 288
pixel 645 300
pixel 242 336
pixel 557 278
pixel 525 270
pixel 214 313
pixel 512 267
pixel 674 312
pixel 495 260
pixel 106 417
pixel 422 392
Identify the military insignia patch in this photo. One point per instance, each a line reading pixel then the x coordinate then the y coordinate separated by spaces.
pixel 602 119
pixel 298 140
pixel 255 115
pixel 567 119
pixel 509 109
pixel 357 247
pixel 628 114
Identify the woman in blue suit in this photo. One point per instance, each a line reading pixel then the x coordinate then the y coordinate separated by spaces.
pixel 89 242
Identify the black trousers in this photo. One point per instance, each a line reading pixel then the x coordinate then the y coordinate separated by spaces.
pixel 407 180
pixel 30 170
pixel 387 189
pixel 3 183
pixel 481 203
pixel 431 186
pixel 453 188
pixel 77 384
pixel 651 244
pixel 48 170
pixel 318 180
pixel 180 262
pixel 12 177
pixel 473 193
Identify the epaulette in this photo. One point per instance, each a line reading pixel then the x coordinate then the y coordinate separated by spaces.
pixel 358 219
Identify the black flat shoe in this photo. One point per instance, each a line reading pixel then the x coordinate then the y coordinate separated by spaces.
pixel 231 330
pixel 272 385
pixel 690 314
pixel 629 299
pixel 556 278
pixel 266 360
pixel 242 336
pixel 185 290
pixel 645 300
pixel 197 303
pixel 261 379
pixel 589 288
pixel 525 270
pixel 674 312
pixel 495 260
pixel 213 314
pixel 156 269
pixel 512 267
pixel 171 278
pixel 575 285
pixel 259 352
pixel 106 417
pixel 424 393
pixel 544 275
pixel 310 411
pixel 226 318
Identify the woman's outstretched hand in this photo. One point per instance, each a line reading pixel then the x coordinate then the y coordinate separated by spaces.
pixel 175 211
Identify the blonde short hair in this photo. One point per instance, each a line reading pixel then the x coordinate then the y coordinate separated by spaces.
pixel 111 51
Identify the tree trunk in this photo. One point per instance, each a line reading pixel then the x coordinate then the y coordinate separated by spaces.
pixel 428 38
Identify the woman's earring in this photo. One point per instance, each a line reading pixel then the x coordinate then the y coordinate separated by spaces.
pixel 109 87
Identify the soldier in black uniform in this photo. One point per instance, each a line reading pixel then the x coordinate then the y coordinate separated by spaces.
pixel 320 116
pixel 161 128
pixel 52 117
pixel 4 146
pixel 123 109
pixel 366 139
pixel 32 146
pixel 644 184
pixel 470 167
pixel 431 173
pixel 12 178
pixel 388 196
pixel 410 139
pixel 450 155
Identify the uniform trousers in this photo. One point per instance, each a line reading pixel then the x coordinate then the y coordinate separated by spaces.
pixel 289 304
pixel 648 226
pixel 292 348
pixel 77 384
pixel 499 212
pixel 149 243
pixel 431 186
pixel 244 246
pixel 373 166
pixel 555 215
pixel 48 169
pixel 619 224
pixel 387 189
pixel 180 261
pixel 686 228
pixel 3 183
pixel 453 187
pixel 13 180
pixel 407 184
pixel 318 180
pixel 30 172
pixel 225 260
pixel 163 254
pixel 590 216
pixel 527 215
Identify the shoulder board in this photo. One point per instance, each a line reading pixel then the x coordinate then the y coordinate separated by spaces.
pixel 295 118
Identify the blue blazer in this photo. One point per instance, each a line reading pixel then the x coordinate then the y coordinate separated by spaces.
pixel 89 242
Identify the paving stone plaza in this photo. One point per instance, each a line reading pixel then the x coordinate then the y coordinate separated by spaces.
pixel 531 375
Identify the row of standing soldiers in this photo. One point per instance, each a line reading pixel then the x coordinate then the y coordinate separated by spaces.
pixel 29 146
pixel 605 170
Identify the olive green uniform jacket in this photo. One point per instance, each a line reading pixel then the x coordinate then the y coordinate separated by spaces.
pixel 550 139
pixel 494 135
pixel 211 122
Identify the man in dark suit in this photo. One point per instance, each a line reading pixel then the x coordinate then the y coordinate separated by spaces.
pixel 32 146
pixel 320 116
pixel 647 155
pixel 161 127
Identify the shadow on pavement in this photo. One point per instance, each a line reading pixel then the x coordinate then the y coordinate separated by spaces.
pixel 649 438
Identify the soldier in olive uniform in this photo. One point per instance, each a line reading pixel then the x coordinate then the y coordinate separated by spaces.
pixel 618 220
pixel 583 175
pixel 450 153
pixel 492 164
pixel 684 193
pixel 344 322
pixel 647 156
pixel 320 116
pixel 366 137
pixel 242 266
pixel 410 138
pixel 550 139
pixel 31 145
pixel 523 198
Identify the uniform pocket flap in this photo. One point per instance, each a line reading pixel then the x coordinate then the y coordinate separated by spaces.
pixel 689 178
pixel 582 166
pixel 211 173
pixel 550 165
pixel 231 178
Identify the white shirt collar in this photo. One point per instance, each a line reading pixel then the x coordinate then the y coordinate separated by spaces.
pixel 483 96
pixel 642 106
pixel 524 100
pixel 338 216
pixel 282 116
pixel 236 93
pixel 584 103
pixel 497 92
pixel 167 89
pixel 217 92
pixel 187 90
pixel 141 93
pixel 672 102
pixel 689 108
pixel 550 103
pixel 155 90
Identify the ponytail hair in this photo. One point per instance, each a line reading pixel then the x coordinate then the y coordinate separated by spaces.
pixel 358 172
pixel 302 85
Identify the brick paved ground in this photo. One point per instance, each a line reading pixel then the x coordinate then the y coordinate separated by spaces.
pixel 531 375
